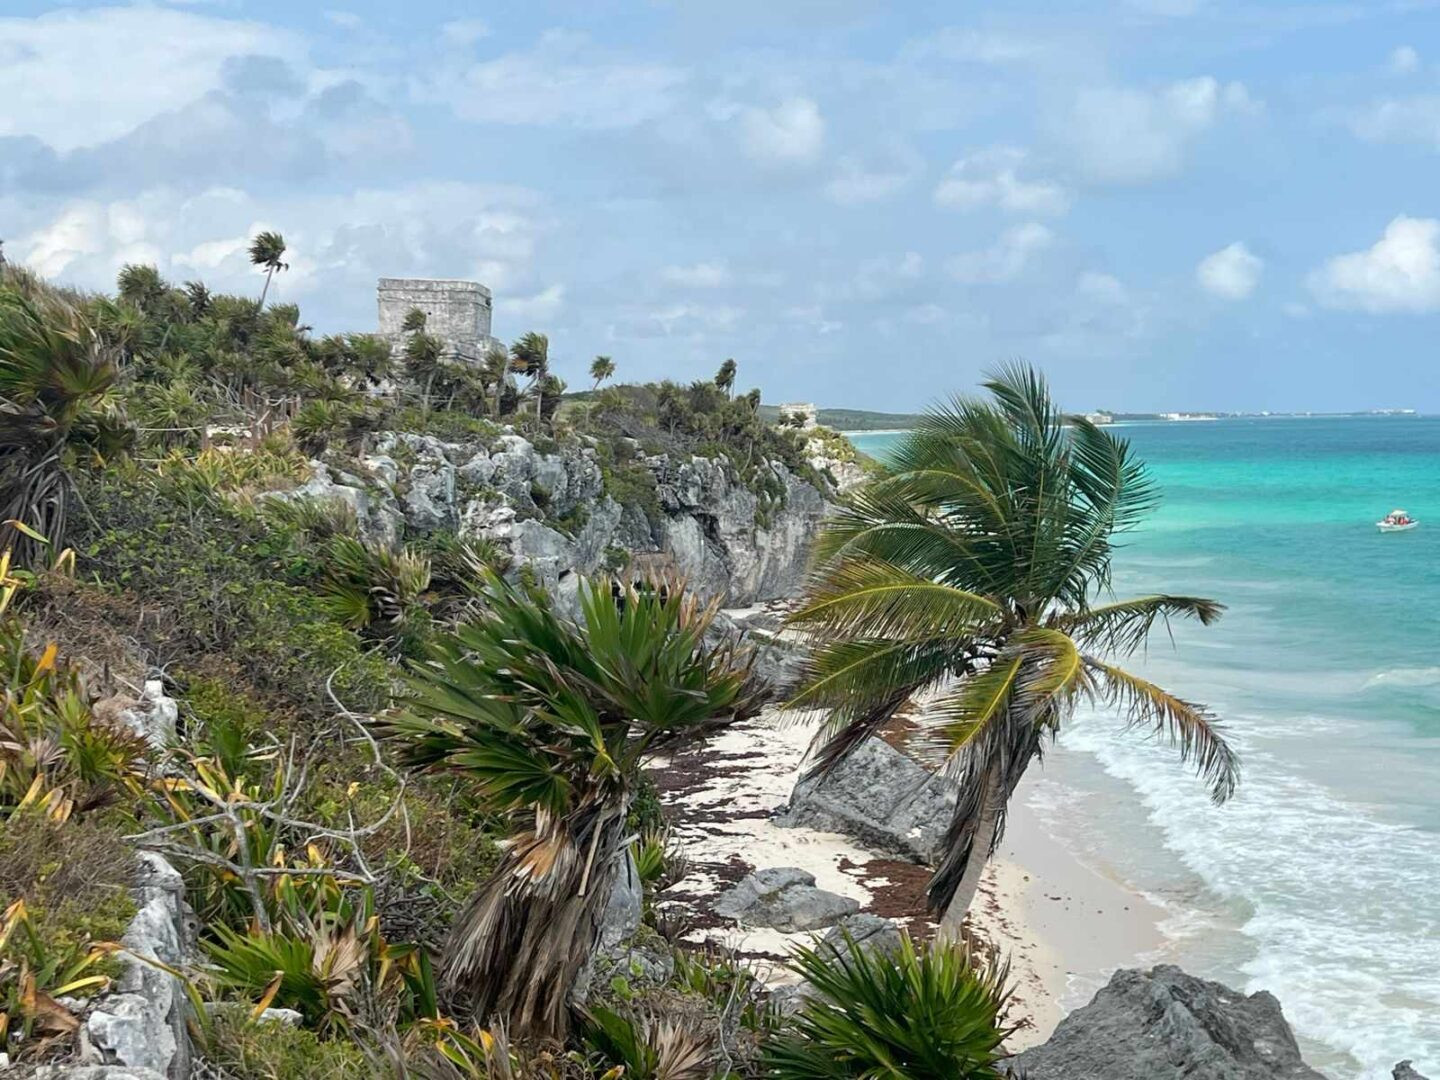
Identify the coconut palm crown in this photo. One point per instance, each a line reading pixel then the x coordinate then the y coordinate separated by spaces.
pixel 267 252
pixel 977 569
pixel 549 720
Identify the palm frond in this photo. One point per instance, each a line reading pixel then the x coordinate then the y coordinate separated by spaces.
pixel 1190 727
pixel 882 600
pixel 1124 626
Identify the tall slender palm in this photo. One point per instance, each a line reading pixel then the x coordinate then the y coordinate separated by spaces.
pixel 493 370
pixel 266 251
pixel 725 377
pixel 530 355
pixel 976 568
pixel 551 720
pixel 601 368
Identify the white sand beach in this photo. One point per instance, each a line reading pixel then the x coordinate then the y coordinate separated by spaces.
pixel 1063 926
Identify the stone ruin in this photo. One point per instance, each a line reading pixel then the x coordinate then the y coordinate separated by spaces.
pixel 456 312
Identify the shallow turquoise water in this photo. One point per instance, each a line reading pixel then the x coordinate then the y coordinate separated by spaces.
pixel 1321 880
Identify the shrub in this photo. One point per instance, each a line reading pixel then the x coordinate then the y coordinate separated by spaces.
pixel 927 1013
pixel 242 1049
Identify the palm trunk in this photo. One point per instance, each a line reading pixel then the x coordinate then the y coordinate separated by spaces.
pixel 990 811
pixel 263 292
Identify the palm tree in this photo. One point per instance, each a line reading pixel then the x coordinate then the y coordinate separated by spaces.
pixel 551 720
pixel 266 251
pixel 530 355
pixel 493 370
pixel 971 568
pixel 601 368
pixel 725 377
pixel 55 371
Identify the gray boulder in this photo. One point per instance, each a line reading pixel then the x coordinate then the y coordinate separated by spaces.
pixel 870 933
pixel 1166 1025
pixel 785 898
pixel 881 797
pixel 1405 1071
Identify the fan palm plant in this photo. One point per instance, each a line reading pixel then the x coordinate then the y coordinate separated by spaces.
pixel 267 251
pixel 530 355
pixel 601 368
pixel 975 568
pixel 55 371
pixel 551 721
pixel 725 377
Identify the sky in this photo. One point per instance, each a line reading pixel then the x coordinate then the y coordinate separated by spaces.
pixel 1165 204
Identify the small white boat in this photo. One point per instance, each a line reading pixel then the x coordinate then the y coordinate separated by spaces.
pixel 1396 521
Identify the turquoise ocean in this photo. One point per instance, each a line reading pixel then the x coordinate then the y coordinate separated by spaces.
pixel 1320 880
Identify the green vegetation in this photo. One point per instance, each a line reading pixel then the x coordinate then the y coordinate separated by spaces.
pixel 401 785
pixel 971 567
pixel 921 1014
pixel 853 419
pixel 551 721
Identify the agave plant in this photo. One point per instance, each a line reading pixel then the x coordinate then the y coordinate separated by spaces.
pixel 642 1047
pixel 927 1013
pixel 976 567
pixel 55 371
pixel 550 720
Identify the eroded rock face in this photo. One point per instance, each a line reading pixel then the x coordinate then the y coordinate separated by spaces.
pixel 140 1023
pixel 1405 1071
pixel 881 797
pixel 723 538
pixel 1166 1025
pixel 785 898
pixel 870 933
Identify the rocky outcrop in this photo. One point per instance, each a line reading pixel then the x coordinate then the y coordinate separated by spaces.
pixel 1166 1025
pixel 140 1022
pixel 550 511
pixel 1404 1071
pixel 785 898
pixel 881 797
pixel 870 933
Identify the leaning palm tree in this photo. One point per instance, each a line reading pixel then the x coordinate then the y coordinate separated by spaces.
pixel 551 720
pixel 55 371
pixel 725 377
pixel 494 369
pixel 530 355
pixel 601 368
pixel 975 569
pixel 266 251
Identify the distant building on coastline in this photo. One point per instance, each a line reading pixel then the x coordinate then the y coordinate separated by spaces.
pixel 456 312
pixel 1099 418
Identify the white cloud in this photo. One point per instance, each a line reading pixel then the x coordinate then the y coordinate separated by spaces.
pixel 701 275
pixel 856 181
pixel 1006 259
pixel 972 46
pixel 346 20
pixel 885 275
pixel 1404 60
pixel 690 319
pixel 1125 135
pixel 1399 120
pixel 1230 273
pixel 792 132
pixel 561 81
pixel 338 243
pixel 545 304
pixel 1399 273
pixel 464 32
pixel 991 178
pixel 78 78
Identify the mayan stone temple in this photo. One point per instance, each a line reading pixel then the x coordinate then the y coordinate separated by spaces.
pixel 457 312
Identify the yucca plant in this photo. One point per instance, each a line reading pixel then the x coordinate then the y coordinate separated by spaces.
pixel 919 1013
pixel 35 971
pixel 375 587
pixel 550 721
pixel 55 371
pixel 976 566
pixel 640 1047
pixel 56 756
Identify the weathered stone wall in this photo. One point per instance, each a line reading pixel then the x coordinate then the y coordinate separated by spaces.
pixel 457 312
